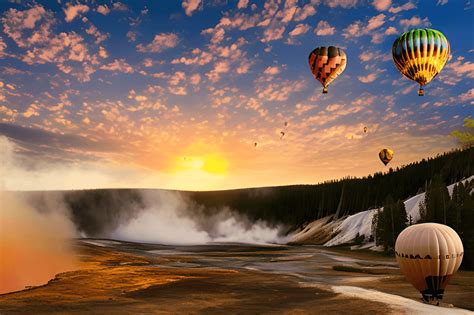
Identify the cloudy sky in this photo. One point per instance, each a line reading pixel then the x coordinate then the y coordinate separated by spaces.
pixel 175 94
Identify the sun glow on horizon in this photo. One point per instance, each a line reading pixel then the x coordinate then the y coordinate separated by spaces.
pixel 211 163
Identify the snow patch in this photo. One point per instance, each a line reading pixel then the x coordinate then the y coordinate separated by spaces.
pixel 359 223
pixel 397 303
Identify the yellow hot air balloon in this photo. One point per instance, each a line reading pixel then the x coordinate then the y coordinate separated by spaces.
pixel 326 64
pixel 428 255
pixel 420 55
pixel 385 156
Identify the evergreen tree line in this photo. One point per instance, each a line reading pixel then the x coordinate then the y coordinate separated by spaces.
pixel 455 210
pixel 299 204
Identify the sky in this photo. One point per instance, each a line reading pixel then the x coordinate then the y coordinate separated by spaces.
pixel 175 94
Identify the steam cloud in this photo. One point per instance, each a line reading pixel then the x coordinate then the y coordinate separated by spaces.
pixel 33 242
pixel 33 245
pixel 168 218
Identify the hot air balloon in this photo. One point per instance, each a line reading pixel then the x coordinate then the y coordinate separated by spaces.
pixel 286 124
pixel 420 55
pixel 365 129
pixel 326 64
pixel 282 134
pixel 385 156
pixel 255 144
pixel 428 255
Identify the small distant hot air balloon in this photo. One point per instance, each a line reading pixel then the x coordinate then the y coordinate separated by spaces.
pixel 286 124
pixel 326 64
pixel 282 134
pixel 420 55
pixel 255 144
pixel 385 156
pixel 365 129
pixel 428 255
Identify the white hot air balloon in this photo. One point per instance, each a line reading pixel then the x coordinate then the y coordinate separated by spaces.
pixel 428 255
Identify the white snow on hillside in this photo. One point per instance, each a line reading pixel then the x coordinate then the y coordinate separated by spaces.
pixel 397 304
pixel 359 223
pixel 412 205
pixel 345 230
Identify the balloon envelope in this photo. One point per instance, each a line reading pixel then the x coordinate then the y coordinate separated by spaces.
pixel 385 156
pixel 428 255
pixel 420 55
pixel 326 64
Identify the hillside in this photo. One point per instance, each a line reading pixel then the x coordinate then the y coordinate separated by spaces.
pixel 343 231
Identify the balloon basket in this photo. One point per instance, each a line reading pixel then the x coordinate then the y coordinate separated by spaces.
pixel 325 90
pixel 421 92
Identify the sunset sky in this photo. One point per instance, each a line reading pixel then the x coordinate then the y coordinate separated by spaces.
pixel 174 94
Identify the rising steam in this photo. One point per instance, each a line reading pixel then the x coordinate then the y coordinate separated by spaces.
pixel 33 242
pixel 33 245
pixel 168 218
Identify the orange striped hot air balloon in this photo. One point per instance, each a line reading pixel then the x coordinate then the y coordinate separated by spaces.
pixel 326 64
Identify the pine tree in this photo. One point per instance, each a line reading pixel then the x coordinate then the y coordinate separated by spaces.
pixel 437 201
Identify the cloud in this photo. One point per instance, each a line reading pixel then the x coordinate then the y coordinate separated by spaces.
pixel 195 79
pixel 357 29
pixel 370 56
pixel 391 31
pixel 455 71
pixel 99 37
pixel 118 65
pixel 200 58
pixel 190 6
pixel 244 67
pixel 442 2
pixel 324 29
pixel 414 21
pixel 407 6
pixel 16 22
pixel 375 22
pixel 3 47
pixel 132 36
pixel 219 67
pixel 177 90
pixel 217 34
pixel 305 12
pixel 119 6
pixel 57 141
pixel 32 30
pixel 32 110
pixel 103 52
pixel 272 34
pixel 301 108
pixel 160 43
pixel 341 3
pixel 272 70
pixel 242 4
pixel 299 29
pixel 353 30
pixel 71 11
pixel 177 78
pixel 382 5
pixel 279 91
pixel 103 9
pixel 468 96
pixel 371 77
